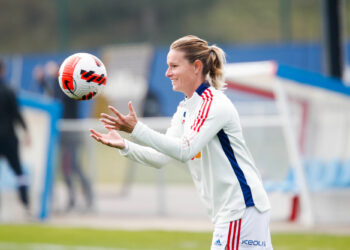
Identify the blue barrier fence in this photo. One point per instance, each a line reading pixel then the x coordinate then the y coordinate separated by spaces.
pixel 320 175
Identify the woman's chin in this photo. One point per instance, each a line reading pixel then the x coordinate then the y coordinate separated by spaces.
pixel 177 89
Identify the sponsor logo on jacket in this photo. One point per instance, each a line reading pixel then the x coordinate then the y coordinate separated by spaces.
pixel 253 243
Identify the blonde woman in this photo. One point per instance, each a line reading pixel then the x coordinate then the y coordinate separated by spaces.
pixel 205 133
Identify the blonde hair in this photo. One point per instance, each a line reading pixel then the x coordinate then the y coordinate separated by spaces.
pixel 212 58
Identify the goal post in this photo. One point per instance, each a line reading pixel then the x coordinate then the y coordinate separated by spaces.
pixel 315 115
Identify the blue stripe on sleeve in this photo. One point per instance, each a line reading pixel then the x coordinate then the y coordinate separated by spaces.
pixel 226 146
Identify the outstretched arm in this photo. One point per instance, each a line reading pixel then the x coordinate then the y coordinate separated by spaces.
pixel 133 151
pixel 141 154
pixel 180 148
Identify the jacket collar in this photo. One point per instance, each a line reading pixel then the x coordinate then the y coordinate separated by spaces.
pixel 196 98
pixel 202 88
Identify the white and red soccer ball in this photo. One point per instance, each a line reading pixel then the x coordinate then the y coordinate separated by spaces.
pixel 82 76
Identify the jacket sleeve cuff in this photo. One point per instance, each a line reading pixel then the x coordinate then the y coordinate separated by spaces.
pixel 137 130
pixel 125 150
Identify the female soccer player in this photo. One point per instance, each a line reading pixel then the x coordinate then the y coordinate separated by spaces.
pixel 206 134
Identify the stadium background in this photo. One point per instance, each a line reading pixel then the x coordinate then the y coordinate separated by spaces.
pixel 132 38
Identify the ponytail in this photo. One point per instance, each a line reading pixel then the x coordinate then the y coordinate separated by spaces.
pixel 215 62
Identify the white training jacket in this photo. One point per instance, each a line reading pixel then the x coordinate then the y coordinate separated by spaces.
pixel 206 134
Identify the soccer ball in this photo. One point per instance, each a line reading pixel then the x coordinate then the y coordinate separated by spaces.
pixel 82 76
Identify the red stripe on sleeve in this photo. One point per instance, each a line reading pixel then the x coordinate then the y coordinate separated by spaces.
pixel 209 101
pixel 207 97
pixel 200 113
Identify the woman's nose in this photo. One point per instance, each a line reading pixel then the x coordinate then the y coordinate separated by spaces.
pixel 168 72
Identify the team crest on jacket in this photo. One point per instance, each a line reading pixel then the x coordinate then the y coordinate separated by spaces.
pixel 197 156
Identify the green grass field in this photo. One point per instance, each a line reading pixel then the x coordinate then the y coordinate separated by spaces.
pixel 37 237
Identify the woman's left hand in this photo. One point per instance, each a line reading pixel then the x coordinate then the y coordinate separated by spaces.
pixel 125 123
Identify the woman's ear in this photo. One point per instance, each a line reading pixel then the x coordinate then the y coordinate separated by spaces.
pixel 198 66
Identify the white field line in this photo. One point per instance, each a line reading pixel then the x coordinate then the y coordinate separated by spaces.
pixel 38 246
pixel 309 248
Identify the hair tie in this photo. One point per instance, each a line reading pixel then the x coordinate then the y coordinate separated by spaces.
pixel 211 51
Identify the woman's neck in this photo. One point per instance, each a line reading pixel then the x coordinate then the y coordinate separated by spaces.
pixel 194 87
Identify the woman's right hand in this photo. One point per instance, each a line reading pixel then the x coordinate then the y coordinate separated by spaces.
pixel 112 138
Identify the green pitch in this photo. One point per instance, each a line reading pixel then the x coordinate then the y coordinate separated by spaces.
pixel 36 237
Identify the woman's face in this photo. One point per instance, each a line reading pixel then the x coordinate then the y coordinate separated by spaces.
pixel 181 72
